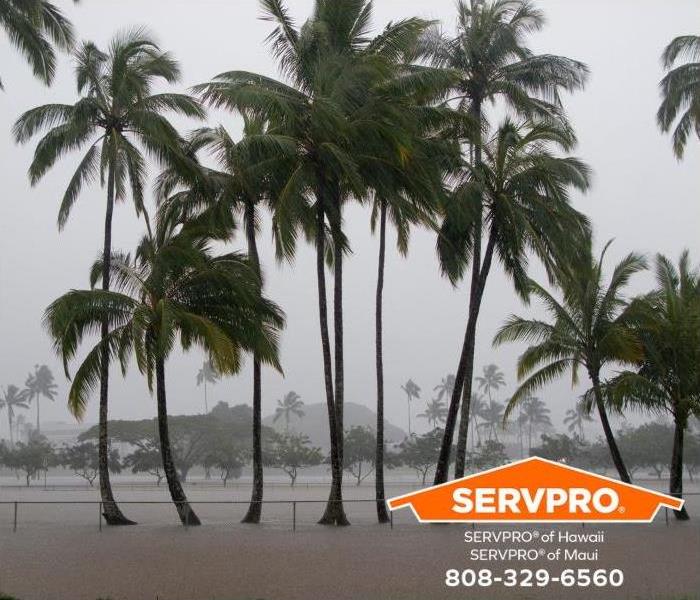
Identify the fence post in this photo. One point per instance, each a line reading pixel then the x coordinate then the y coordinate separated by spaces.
pixel 187 517
pixel 666 512
pixel 99 515
pixel 294 516
pixel 14 526
pixel 391 519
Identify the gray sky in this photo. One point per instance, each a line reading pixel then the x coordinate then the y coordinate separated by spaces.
pixel 641 196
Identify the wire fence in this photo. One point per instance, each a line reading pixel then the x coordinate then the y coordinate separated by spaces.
pixel 287 513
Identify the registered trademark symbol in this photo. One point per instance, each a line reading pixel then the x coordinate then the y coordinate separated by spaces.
pixel 621 509
pixel 535 534
pixel 541 552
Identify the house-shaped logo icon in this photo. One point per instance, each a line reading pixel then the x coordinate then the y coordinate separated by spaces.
pixel 535 490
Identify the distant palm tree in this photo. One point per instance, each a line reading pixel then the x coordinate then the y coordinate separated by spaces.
pixel 435 412
pixel 577 417
pixel 476 410
pixel 38 384
pixel 32 26
pixel 412 391
pixel 13 398
pixel 207 374
pixel 492 379
pixel 445 387
pixel 590 328
pixel 20 425
pixel 536 415
pixel 118 118
pixel 490 55
pixel 492 418
pixel 174 289
pixel 680 89
pixel 289 405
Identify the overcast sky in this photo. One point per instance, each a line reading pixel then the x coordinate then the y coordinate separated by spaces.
pixel 641 196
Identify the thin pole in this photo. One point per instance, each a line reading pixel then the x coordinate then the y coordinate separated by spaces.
pixel 14 526
pixel 294 516
pixel 99 515
pixel 391 519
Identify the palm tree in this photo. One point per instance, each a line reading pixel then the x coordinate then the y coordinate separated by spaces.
pixel 207 374
pixel 244 178
pixel 492 379
pixel 173 288
pixel 445 387
pixel 522 188
pixel 477 406
pixel 327 114
pixel 680 89
pixel 412 390
pixel 435 412
pixel 289 405
pixel 117 118
pixel 589 329
pixel 492 418
pixel 666 379
pixel 536 414
pixel 38 384
pixel 490 56
pixel 577 417
pixel 13 398
pixel 34 27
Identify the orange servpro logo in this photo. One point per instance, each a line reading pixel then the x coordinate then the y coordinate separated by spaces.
pixel 535 490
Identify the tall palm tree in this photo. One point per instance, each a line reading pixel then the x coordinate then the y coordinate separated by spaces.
pixel 445 387
pixel 40 383
pixel 536 416
pixel 325 110
pixel 577 417
pixel 492 418
pixel 490 56
pixel 589 328
pixel 34 27
pixel 117 118
pixel 289 405
pixel 666 379
pixel 207 374
pixel 680 90
pixel 243 179
pixel 522 189
pixel 412 390
pixel 477 406
pixel 13 398
pixel 435 412
pixel 173 288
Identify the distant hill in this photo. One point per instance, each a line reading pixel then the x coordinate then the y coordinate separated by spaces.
pixel 315 423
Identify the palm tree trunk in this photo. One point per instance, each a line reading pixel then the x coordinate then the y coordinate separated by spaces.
pixel 38 420
pixel 112 514
pixel 255 509
pixel 607 430
pixel 465 369
pixel 187 515
pixel 676 475
pixel 12 437
pixel 382 514
pixel 334 507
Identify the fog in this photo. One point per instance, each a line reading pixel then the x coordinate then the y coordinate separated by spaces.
pixel 641 196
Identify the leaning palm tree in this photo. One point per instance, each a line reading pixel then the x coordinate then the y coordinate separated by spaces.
pixel 575 418
pixel 34 27
pixel 173 289
pixel 589 328
pixel 536 415
pixel 207 374
pixel 412 390
pixel 117 119
pixel 40 384
pixel 13 398
pixel 680 89
pixel 289 405
pixel 445 387
pixel 522 189
pixel 666 379
pixel 490 55
pixel 340 135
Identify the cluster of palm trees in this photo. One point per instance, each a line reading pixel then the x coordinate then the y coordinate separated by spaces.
pixel 401 121
pixel 39 384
